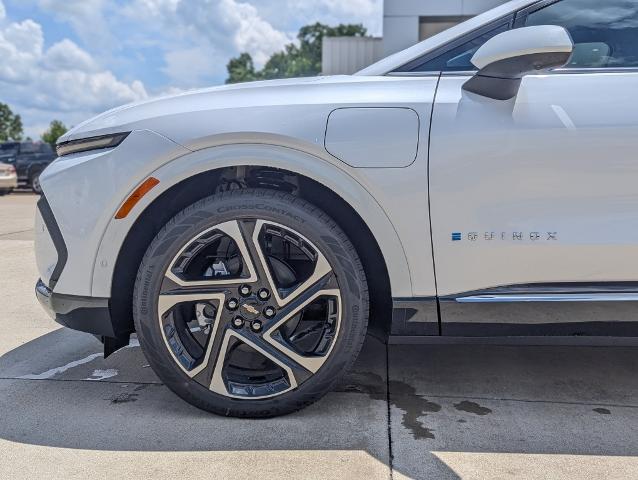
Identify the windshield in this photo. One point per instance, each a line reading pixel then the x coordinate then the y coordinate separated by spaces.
pixel 8 148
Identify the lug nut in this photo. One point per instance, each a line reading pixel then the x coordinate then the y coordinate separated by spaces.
pixel 263 294
pixel 269 312
pixel 244 290
pixel 238 322
pixel 232 304
pixel 256 326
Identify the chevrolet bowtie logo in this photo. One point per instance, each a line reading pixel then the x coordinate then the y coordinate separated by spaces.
pixel 250 309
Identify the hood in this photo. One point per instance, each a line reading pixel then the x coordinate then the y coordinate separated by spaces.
pixel 135 116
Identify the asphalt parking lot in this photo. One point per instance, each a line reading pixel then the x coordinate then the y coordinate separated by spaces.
pixel 444 411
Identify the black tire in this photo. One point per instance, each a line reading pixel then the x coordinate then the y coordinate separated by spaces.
pixel 287 211
pixel 4 192
pixel 34 182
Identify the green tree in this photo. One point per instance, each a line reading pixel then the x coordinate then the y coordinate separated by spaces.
pixel 55 131
pixel 296 60
pixel 241 69
pixel 10 124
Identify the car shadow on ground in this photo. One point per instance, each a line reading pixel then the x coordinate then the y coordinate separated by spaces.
pixel 444 400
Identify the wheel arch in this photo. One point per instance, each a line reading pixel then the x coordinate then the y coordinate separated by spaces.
pixel 195 176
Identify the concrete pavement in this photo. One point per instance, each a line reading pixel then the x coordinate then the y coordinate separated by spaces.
pixel 454 411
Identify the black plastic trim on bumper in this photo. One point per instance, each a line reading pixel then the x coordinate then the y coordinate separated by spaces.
pixel 56 237
pixel 86 314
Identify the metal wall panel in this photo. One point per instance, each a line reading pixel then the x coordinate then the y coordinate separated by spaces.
pixel 347 55
pixel 402 19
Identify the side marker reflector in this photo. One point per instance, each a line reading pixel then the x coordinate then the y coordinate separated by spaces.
pixel 145 187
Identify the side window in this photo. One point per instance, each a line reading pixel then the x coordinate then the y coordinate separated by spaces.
pixel 456 59
pixel 605 32
pixel 45 148
pixel 28 147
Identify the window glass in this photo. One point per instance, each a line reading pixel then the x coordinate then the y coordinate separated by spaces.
pixel 29 147
pixel 458 58
pixel 9 148
pixel 605 33
pixel 45 148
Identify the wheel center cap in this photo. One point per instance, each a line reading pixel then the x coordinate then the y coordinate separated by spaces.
pixel 250 310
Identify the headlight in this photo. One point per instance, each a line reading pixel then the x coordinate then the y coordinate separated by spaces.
pixel 91 143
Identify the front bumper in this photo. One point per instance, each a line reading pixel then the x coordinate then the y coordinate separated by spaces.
pixel 86 314
pixel 83 313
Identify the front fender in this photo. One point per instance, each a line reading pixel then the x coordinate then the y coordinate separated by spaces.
pixel 327 172
pixel 85 191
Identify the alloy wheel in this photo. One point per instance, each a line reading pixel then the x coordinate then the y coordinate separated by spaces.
pixel 250 309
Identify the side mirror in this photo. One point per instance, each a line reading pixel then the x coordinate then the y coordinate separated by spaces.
pixel 505 59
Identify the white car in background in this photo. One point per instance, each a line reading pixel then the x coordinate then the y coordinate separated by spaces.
pixel 8 179
pixel 481 183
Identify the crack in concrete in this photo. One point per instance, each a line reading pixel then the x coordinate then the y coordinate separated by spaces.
pixel 389 412
pixel 14 233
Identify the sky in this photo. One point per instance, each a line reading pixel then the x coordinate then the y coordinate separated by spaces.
pixel 72 59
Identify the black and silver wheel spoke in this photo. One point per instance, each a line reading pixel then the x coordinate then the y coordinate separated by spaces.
pixel 184 260
pixel 250 309
pixel 320 269
pixel 294 372
pixel 311 362
pixel 177 338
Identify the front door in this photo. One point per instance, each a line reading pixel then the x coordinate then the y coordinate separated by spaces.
pixel 534 201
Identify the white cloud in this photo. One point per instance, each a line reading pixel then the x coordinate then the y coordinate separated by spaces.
pixel 364 7
pixel 228 23
pixel 74 76
pixel 198 37
pixel 20 48
pixel 331 12
pixel 192 66
pixel 87 17
pixel 251 32
pixel 153 8
pixel 205 34
pixel 61 81
pixel 66 55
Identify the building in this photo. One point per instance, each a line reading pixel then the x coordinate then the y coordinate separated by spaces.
pixel 405 23
pixel 346 55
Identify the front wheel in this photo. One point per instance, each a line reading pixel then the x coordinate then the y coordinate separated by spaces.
pixel 251 303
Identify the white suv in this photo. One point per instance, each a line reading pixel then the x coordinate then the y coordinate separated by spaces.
pixel 483 182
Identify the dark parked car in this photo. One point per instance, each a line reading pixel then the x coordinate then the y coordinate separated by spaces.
pixel 29 159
